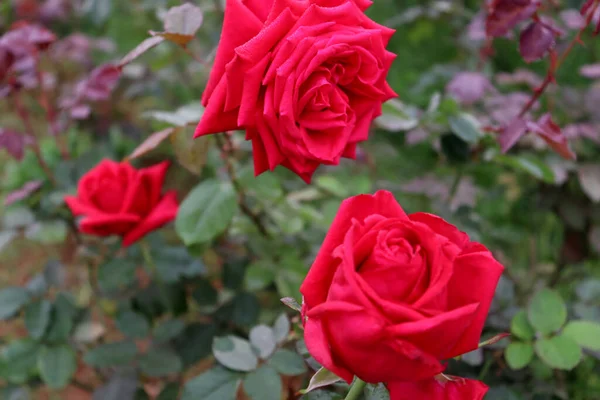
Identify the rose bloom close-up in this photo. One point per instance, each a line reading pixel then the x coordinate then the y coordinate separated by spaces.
pixel 116 199
pixel 305 79
pixel 390 296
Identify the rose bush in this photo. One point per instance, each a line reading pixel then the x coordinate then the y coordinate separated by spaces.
pixel 116 199
pixel 303 78
pixel 391 295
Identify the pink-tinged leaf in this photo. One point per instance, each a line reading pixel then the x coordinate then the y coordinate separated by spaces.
pixel 511 134
pixel 589 179
pixel 80 111
pixel 13 142
pixel 494 339
pixel 25 191
pixel 33 34
pixel 520 76
pixel 151 142
pixel 587 7
pixel 503 15
pixel 572 19
pixel 591 71
pixel 292 303
pixel 536 40
pixel 141 49
pixel 552 135
pixel 100 83
pixel 181 24
pixel 468 87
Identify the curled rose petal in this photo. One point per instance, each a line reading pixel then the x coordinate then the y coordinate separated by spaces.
pixel 536 40
pixel 432 389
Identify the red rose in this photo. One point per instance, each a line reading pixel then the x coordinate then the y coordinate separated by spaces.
pixel 432 389
pixel 391 295
pixel 304 78
pixel 116 199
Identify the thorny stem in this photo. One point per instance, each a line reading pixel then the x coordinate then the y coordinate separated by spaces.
pixel 226 145
pixel 553 68
pixel 24 115
pixel 356 390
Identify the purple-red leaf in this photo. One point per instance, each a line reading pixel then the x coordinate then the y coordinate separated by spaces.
pixel 552 135
pixel 33 34
pixel 22 193
pixel 536 40
pixel 591 71
pixel 503 15
pixel 468 87
pixel 511 134
pixel 14 142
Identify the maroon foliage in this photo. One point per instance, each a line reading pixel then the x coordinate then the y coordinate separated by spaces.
pixel 511 134
pixel 468 87
pixel 503 15
pixel 14 142
pixel 552 134
pixel 536 40
pixel 22 193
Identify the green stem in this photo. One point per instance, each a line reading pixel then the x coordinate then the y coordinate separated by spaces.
pixel 356 390
pixel 155 275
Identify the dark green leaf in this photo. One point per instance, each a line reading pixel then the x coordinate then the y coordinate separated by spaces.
pixel 132 324
pixel 281 328
pixel 321 395
pixel 234 353
pixel 63 313
pixel 376 392
pixel 116 275
pixel 547 311
pixel 174 263
pixel 262 339
pixel 215 384
pixel 111 354
pixel 456 149
pixel 167 330
pixel 205 294
pixel 259 275
pixel 263 384
pixel 37 318
pixel 560 352
pixel 169 392
pixel 121 386
pixel 233 273
pixel 57 365
pixel 195 342
pixel 160 362
pixel 11 301
pixel 286 362
pixel 206 212
pixel 321 378
pixel 466 127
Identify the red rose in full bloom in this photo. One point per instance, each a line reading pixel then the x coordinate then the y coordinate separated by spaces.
pixel 432 389
pixel 304 78
pixel 116 199
pixel 390 295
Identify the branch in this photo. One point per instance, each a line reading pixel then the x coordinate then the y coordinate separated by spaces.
pixel 226 146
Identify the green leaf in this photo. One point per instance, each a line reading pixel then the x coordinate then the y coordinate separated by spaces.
pixel 132 324
pixel 57 365
pixel 167 330
pixel 529 164
pixel 11 301
pixel 37 318
pixel 397 116
pixel 281 328
pixel 263 340
pixel 206 212
pixel 547 311
pixel 322 378
pixel 50 232
pixel 259 275
pixel 215 384
pixel 63 313
pixel 321 395
pixel 585 333
pixel 520 326
pixel 205 294
pixel 560 352
pixel 160 362
pixel 263 384
pixel 122 385
pixel 234 353
pixel 116 275
pixel 518 355
pixel 466 127
pixel 332 185
pixel 376 392
pixel 188 114
pixel 174 263
pixel 6 237
pixel 111 354
pixel 286 362
pixel 195 342
pixel 18 360
pixel 169 392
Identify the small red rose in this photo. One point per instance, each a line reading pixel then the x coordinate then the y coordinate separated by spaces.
pixel 390 296
pixel 304 78
pixel 434 389
pixel 116 199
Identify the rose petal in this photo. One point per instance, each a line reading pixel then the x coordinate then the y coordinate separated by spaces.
pixel 479 272
pixel 101 224
pixel 431 389
pixel 359 207
pixel 164 212
pixel 441 227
